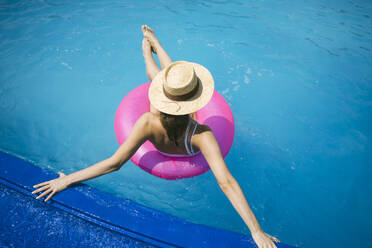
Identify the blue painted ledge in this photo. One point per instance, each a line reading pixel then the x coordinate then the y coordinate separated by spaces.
pixel 148 227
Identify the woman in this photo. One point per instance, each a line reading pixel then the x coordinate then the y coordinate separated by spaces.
pixel 176 92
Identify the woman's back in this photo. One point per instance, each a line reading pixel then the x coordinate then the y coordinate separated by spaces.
pixel 182 144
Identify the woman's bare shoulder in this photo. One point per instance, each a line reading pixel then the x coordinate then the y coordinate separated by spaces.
pixel 204 139
pixel 153 120
pixel 202 129
pixel 150 117
pixel 202 133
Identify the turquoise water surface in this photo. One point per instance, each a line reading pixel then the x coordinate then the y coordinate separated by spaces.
pixel 296 75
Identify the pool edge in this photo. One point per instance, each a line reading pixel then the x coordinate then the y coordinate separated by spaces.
pixel 119 214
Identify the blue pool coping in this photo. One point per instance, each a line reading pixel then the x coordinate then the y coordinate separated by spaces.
pixel 118 214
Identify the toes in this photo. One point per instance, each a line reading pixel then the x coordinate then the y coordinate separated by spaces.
pixel 149 29
pixel 143 27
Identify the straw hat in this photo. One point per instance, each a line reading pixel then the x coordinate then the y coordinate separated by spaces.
pixel 181 88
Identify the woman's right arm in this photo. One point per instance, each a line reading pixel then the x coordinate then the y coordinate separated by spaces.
pixel 209 147
pixel 138 135
pixel 140 132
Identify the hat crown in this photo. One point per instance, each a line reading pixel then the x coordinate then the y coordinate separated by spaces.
pixel 181 88
pixel 180 78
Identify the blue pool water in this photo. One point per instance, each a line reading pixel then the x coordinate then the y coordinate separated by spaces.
pixel 296 75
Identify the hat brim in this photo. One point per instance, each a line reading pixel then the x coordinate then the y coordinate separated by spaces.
pixel 162 103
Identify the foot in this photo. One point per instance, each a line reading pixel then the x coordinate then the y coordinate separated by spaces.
pixel 146 47
pixel 149 34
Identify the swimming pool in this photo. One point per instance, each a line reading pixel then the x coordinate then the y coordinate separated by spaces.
pixel 82 216
pixel 296 76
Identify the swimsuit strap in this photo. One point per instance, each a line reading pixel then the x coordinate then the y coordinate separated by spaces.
pixel 186 135
pixel 190 152
pixel 192 135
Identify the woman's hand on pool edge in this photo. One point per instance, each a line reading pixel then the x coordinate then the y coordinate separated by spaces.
pixel 264 240
pixel 52 186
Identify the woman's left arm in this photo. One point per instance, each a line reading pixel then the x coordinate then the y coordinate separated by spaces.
pixel 140 133
pixel 209 147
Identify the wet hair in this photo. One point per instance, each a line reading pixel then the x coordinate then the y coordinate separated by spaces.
pixel 174 124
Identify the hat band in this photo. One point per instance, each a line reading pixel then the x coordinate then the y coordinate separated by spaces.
pixel 182 97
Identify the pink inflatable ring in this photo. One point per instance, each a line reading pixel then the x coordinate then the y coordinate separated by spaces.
pixel 216 114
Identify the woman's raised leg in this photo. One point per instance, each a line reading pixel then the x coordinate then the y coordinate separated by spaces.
pixel 163 57
pixel 151 67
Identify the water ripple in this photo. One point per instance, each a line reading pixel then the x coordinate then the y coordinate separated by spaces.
pixel 323 48
pixel 231 15
pixel 212 26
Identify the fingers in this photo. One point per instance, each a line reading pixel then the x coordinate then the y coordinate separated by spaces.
pixel 274 238
pixel 269 244
pixel 49 196
pixel 47 191
pixel 44 193
pixel 41 189
pixel 41 184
